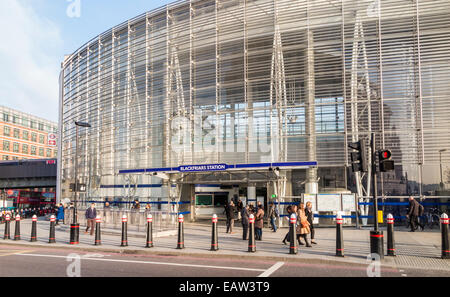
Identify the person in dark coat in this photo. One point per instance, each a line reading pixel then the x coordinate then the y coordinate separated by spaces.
pixel 245 213
pixel 259 222
pixel 91 214
pixel 289 212
pixel 413 214
pixel 230 211
pixel 310 216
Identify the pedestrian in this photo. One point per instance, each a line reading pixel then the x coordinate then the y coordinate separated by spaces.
pixel 239 207
pixel 273 215
pixel 60 214
pixel 303 228
pixel 259 222
pixel 230 211
pixel 136 205
pixel 148 208
pixel 415 210
pixel 107 206
pixel 245 214
pixel 310 216
pixel 91 214
pixel 290 209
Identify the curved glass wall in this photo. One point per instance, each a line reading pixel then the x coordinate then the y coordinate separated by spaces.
pixel 253 81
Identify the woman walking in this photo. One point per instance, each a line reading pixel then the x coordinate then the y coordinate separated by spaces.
pixel 303 225
pixel 310 216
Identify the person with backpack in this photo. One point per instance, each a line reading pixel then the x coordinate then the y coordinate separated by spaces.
pixel 415 210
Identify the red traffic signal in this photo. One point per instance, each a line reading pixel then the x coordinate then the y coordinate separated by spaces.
pixel 384 155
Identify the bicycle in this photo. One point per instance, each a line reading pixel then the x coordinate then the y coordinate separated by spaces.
pixel 432 217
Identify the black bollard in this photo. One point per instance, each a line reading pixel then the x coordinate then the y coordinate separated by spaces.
pixel 180 244
pixel 17 229
pixel 124 231
pixel 214 240
pixel 251 235
pixel 149 231
pixel 7 229
pixel 293 249
pixel 34 229
pixel 339 236
pixel 444 230
pixel 52 236
pixel 377 243
pixel 390 239
pixel 98 240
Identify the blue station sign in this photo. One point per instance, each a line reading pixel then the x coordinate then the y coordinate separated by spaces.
pixel 223 167
pixel 199 168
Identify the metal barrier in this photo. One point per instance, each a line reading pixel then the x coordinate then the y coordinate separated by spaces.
pixel 360 211
pixel 137 219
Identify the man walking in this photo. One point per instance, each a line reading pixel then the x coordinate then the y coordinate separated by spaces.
pixel 230 210
pixel 273 215
pixel 91 214
pixel 245 213
pixel 415 209
pixel 259 222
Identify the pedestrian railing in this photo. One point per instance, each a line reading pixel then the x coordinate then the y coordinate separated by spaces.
pixel 137 219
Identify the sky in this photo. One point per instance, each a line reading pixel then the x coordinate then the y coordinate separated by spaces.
pixel 37 34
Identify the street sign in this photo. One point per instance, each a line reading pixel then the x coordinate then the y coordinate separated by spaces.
pixel 51 139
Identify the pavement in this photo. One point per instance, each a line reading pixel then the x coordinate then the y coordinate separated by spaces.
pixel 416 251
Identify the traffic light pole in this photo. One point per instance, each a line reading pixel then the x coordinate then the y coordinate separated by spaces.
pixel 376 236
pixel 374 182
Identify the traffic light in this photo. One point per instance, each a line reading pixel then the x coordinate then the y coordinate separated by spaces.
pixel 386 164
pixel 359 158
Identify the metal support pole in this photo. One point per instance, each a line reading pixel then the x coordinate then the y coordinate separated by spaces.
pixel 376 236
pixel 17 229
pixel 251 235
pixel 339 236
pixel 293 249
pixel 98 240
pixel 180 244
pixel 51 238
pixel 34 229
pixel 214 239
pixel 391 240
pixel 149 240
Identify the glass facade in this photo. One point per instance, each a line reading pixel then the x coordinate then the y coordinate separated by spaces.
pixel 254 81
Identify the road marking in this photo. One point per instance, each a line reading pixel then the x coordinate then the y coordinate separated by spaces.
pixel 272 269
pixel 148 262
pixel 14 253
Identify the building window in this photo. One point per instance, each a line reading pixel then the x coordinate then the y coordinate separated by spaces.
pixel 41 151
pixel 33 137
pixel 49 153
pixel 6 146
pixel 5 117
pixel 6 131
pixel 41 138
pixel 41 127
pixel 33 150
pixel 16 147
pixel 15 119
pixel 25 135
pixel 16 133
pixel 33 125
pixel 5 158
pixel 25 149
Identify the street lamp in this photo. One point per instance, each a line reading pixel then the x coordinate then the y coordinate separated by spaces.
pixel 440 164
pixel 75 227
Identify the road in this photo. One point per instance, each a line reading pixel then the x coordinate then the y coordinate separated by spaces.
pixel 16 261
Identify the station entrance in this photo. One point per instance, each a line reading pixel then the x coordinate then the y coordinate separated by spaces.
pixel 200 191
